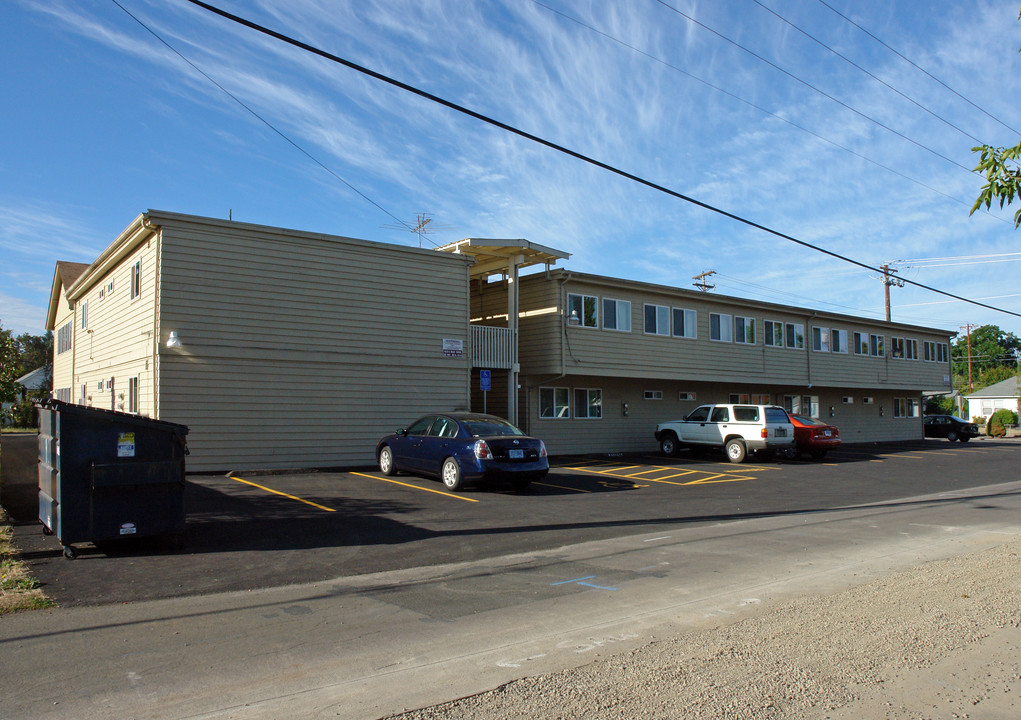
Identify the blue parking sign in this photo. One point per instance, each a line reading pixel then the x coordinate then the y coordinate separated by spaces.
pixel 486 379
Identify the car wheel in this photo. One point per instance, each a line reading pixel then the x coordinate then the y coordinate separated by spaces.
pixel 735 450
pixel 818 454
pixel 451 474
pixel 965 439
pixel 386 461
pixel 669 444
pixel 951 436
pixel 790 453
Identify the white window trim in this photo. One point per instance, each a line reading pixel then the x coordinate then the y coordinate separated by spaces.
pixel 684 314
pixel 773 325
pixel 740 338
pixel 617 305
pixel 566 405
pixel 581 318
pixel 586 416
pixel 659 331
pixel 726 326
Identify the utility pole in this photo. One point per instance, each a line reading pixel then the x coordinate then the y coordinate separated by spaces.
pixel 889 280
pixel 700 280
pixel 968 328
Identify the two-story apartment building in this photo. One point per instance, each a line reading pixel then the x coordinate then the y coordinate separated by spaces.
pixel 603 360
pixel 287 349
pixel 277 348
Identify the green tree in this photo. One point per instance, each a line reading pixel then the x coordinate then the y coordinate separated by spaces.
pixel 8 366
pixel 991 348
pixel 1003 175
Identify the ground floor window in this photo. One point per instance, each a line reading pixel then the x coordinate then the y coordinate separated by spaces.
pixel 133 395
pixel 554 403
pixel 588 403
pixel 905 407
pixel 802 405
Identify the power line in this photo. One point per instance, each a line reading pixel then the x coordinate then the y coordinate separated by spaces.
pixel 807 84
pixel 259 117
pixel 763 110
pixel 859 67
pixel 919 68
pixel 559 148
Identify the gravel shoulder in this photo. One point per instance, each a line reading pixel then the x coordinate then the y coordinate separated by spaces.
pixel 940 640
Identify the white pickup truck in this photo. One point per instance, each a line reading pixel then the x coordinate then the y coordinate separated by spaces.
pixel 735 429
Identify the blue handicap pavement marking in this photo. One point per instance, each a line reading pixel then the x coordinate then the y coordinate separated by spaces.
pixel 580 581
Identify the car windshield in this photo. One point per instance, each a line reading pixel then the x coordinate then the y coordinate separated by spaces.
pixel 808 421
pixel 490 426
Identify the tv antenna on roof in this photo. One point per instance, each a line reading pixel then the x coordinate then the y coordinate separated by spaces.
pixel 422 227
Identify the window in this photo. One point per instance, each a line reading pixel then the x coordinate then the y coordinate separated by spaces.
pixel 897 348
pixel 749 399
pixel 133 395
pixel 684 395
pixel 820 339
pixel 746 413
pixel 861 343
pixel 685 323
pixel 554 403
pixel 936 352
pixel 721 414
pixel 876 345
pixel 85 315
pixel 102 293
pixel 744 330
pixel 83 394
pixel 583 310
pixel 795 336
pixel 657 320
pixel 720 327
pixel 905 407
pixel 838 340
pixel 617 315
pixel 653 394
pixel 868 400
pixel 772 333
pixel 802 405
pixel 911 349
pixel 848 400
pixel 136 279
pixel 64 338
pixel 588 403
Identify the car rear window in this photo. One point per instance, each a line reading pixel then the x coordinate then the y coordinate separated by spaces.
pixel 746 414
pixel 776 415
pixel 481 428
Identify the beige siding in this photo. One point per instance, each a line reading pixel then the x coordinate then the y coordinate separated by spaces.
pixel 63 363
pixel 603 352
pixel 301 350
pixel 119 342
pixel 616 433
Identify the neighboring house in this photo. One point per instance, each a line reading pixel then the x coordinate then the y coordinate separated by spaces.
pixel 37 379
pixel 1002 395
pixel 287 349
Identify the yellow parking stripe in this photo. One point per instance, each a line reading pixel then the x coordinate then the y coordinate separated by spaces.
pixel 416 487
pixel 283 494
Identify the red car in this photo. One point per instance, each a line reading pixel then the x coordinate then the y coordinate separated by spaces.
pixel 813 437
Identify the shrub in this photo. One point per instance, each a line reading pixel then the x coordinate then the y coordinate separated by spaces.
pixel 1000 421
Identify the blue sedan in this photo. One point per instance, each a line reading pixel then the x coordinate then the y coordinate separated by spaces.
pixel 459 447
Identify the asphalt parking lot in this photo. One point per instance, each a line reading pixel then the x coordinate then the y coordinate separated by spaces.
pixel 268 530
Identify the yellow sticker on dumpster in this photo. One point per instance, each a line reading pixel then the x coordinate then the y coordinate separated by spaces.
pixel 126 445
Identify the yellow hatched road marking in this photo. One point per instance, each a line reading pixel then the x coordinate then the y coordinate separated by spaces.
pixel 416 487
pixel 712 478
pixel 282 494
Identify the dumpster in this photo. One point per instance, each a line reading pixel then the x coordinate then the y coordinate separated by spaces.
pixel 107 475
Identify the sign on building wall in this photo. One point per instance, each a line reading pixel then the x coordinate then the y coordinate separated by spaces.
pixel 453 347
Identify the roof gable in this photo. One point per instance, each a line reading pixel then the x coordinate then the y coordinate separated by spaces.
pixel 1008 388
pixel 64 276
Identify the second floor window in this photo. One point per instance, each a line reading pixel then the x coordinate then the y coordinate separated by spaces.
pixel 617 315
pixel 657 320
pixel 136 279
pixel 685 323
pixel 720 327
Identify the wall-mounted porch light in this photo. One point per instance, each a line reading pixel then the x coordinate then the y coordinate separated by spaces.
pixel 173 341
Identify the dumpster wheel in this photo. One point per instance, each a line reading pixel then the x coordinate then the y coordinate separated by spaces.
pixel 69 552
pixel 46 530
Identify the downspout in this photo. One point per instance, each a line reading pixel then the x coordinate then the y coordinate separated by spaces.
pixel 156 293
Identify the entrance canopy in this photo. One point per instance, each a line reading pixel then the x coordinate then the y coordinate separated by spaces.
pixel 497 256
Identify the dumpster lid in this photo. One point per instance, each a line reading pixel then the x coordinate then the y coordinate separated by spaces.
pixel 113 415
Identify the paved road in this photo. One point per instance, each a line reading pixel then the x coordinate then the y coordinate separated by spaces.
pixel 485 592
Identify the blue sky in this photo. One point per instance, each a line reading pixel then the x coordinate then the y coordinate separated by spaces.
pixel 102 121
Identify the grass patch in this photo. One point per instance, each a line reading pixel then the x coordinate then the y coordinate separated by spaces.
pixel 18 589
